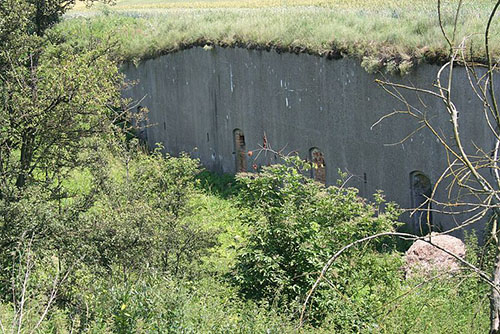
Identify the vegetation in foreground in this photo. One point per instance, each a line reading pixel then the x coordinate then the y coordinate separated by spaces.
pixel 98 236
pixel 158 252
pixel 381 34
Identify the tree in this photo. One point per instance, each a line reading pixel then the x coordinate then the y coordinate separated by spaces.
pixel 53 97
pixel 57 104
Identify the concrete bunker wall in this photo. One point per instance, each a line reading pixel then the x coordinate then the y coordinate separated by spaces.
pixel 200 100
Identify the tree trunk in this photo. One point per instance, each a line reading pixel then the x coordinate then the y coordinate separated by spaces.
pixel 495 298
pixel 25 159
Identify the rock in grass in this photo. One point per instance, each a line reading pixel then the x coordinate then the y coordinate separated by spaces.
pixel 423 258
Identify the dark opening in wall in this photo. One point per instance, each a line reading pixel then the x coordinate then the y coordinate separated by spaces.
pixel 318 170
pixel 140 123
pixel 421 191
pixel 240 151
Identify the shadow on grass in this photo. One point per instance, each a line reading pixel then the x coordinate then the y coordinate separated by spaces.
pixel 221 185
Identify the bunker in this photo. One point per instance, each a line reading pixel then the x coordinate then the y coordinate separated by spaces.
pixel 220 103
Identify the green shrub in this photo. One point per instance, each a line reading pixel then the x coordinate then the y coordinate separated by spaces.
pixel 141 216
pixel 295 226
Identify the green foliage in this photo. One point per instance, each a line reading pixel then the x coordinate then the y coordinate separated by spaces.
pixel 97 236
pixel 224 216
pixel 365 292
pixel 146 216
pixel 154 304
pixel 482 255
pixel 51 224
pixel 141 216
pixel 57 114
pixel 296 225
pixel 56 101
pixel 224 185
pixel 35 279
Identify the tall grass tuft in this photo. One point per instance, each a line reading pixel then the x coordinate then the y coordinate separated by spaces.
pixel 389 33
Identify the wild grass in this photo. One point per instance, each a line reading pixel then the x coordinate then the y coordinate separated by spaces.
pixel 380 33
pixel 335 4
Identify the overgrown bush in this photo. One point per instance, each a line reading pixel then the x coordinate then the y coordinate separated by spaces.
pixel 296 225
pixel 144 218
pixel 141 216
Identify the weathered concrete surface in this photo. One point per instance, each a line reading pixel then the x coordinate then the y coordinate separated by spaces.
pixel 198 97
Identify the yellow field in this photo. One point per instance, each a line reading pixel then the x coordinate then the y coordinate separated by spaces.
pixel 340 4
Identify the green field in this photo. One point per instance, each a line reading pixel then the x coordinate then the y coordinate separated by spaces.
pixel 396 35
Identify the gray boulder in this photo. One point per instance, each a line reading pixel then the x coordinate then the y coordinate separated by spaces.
pixel 423 258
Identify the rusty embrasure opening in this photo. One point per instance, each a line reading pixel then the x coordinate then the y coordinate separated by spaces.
pixel 240 151
pixel 318 166
pixel 420 191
